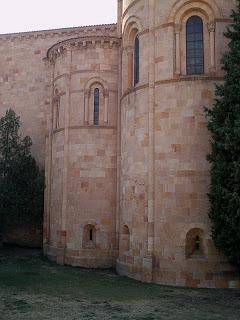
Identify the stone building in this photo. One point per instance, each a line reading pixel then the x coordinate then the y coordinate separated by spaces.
pixel 116 116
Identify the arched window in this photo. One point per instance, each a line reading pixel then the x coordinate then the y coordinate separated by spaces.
pixel 195 45
pixel 96 107
pixel 136 60
pixel 89 236
pixel 194 243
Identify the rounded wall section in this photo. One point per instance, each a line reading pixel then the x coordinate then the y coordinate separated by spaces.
pixel 164 143
pixel 184 253
pixel 133 258
pixel 55 153
pixel 84 109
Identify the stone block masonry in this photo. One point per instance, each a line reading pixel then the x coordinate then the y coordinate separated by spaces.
pixel 117 122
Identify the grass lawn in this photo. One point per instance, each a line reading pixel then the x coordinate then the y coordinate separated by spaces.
pixel 33 288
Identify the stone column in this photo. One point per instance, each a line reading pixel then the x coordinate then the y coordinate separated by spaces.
pixel 86 105
pixel 148 259
pixel 130 66
pixel 119 24
pixel 118 196
pixel 211 29
pixel 63 231
pixel 48 161
pixel 106 101
pixel 119 150
pixel 178 29
pixel 118 209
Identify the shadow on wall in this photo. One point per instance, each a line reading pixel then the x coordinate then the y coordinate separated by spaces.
pixel 1 240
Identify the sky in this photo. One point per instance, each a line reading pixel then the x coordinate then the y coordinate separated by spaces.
pixel 31 15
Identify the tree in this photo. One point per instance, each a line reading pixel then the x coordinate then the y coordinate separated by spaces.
pixel 224 126
pixel 21 181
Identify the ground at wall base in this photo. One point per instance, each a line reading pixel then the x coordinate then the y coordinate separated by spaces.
pixel 33 288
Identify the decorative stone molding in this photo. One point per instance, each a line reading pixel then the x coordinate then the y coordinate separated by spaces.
pixel 81 43
pixel 178 27
pixel 183 7
pixel 211 26
pixel 132 27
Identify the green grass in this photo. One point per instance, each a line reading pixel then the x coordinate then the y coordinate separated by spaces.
pixel 33 288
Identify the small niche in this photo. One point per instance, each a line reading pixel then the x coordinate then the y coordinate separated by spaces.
pixel 89 237
pixel 194 243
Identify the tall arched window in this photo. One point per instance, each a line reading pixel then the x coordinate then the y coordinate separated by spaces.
pixel 136 60
pixel 195 45
pixel 96 107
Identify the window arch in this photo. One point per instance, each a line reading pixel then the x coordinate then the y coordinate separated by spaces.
pixel 194 46
pixel 96 107
pixel 136 60
pixel 207 12
pixel 131 52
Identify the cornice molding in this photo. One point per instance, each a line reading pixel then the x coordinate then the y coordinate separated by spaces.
pixel 82 43
pixel 83 127
pixel 193 79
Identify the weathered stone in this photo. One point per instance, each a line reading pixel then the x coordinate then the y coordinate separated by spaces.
pixel 130 190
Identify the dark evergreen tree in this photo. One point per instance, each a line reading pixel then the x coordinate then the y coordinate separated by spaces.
pixel 21 182
pixel 224 125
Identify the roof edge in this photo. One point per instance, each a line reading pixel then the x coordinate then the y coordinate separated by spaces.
pixel 58 30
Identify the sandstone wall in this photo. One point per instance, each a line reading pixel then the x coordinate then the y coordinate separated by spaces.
pixel 164 143
pixel 134 185
pixel 25 81
pixel 82 161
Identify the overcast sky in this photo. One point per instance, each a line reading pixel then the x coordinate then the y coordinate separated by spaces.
pixel 31 15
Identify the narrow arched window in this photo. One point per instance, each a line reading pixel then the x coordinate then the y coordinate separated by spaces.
pixel 91 235
pixel 96 107
pixel 136 60
pixel 194 243
pixel 195 45
pixel 197 243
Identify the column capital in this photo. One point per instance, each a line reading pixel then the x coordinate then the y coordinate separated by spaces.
pixel 129 50
pixel 211 26
pixel 178 27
